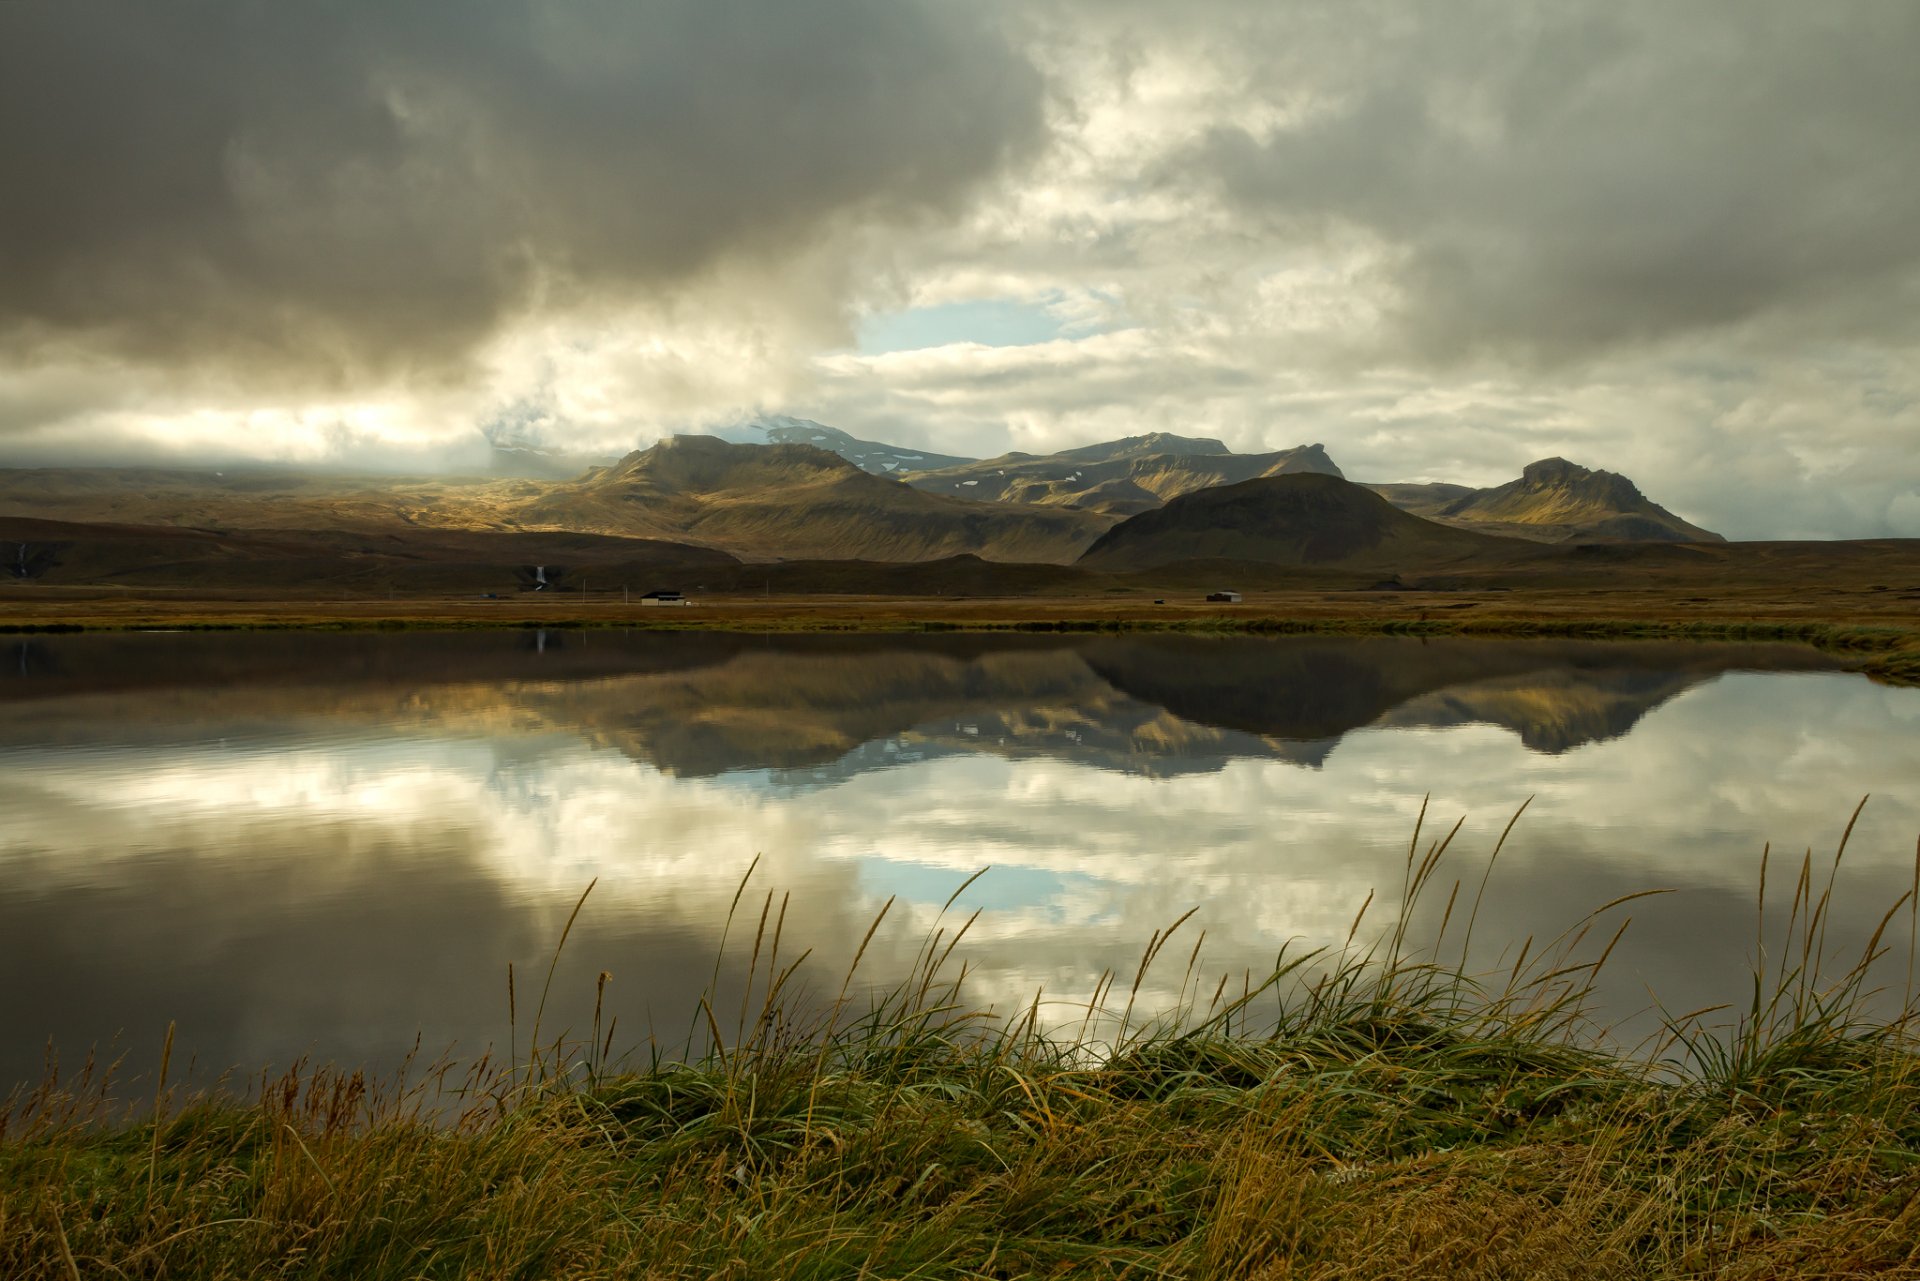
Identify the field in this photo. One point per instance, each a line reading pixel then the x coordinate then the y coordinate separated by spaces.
pixel 1876 627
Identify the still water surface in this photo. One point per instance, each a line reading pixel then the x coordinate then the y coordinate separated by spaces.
pixel 333 845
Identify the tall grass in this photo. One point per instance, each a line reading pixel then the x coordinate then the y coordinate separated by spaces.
pixel 1369 1109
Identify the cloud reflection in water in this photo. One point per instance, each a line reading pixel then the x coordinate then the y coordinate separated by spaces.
pixel 332 844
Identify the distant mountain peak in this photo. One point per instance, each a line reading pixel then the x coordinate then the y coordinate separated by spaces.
pixel 1555 501
pixel 878 457
pixel 701 462
pixel 1558 473
pixel 1154 443
pixel 1166 442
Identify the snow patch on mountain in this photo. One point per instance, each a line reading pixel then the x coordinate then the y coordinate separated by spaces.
pixel 874 456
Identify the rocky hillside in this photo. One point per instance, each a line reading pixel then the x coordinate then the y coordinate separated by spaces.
pixel 1122 477
pixel 873 456
pixel 797 502
pixel 1554 501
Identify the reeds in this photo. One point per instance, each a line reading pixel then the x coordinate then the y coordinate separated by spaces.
pixel 1371 1109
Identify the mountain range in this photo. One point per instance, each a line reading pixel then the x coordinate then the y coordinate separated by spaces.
pixel 791 490
pixel 797 502
pixel 1552 501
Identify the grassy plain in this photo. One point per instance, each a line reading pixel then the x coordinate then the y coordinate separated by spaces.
pixel 1876 627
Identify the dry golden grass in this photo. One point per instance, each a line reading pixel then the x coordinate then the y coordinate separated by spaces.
pixel 1363 1112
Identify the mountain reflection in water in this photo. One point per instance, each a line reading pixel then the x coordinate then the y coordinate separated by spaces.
pixel 699 705
pixel 310 843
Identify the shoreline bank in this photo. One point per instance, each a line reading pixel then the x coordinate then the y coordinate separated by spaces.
pixel 1879 639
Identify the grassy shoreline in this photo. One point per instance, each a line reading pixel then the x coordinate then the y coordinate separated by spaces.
pixel 1379 1148
pixel 1359 1112
pixel 1887 651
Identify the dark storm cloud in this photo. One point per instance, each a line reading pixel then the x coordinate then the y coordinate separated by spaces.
pixel 1557 178
pixel 371 185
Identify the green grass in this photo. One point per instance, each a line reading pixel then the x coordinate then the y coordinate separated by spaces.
pixel 1363 1111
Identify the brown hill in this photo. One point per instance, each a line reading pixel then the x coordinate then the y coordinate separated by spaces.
pixel 1303 519
pixel 794 502
pixel 759 501
pixel 1122 477
pixel 1554 501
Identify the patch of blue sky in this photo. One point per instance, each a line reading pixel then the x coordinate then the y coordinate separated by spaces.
pixel 1002 889
pixel 991 322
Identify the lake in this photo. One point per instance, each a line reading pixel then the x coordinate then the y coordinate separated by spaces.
pixel 332 846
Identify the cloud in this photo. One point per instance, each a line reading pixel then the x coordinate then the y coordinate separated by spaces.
pixel 1554 179
pixel 358 189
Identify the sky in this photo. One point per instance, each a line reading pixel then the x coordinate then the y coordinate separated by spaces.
pixel 1676 241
